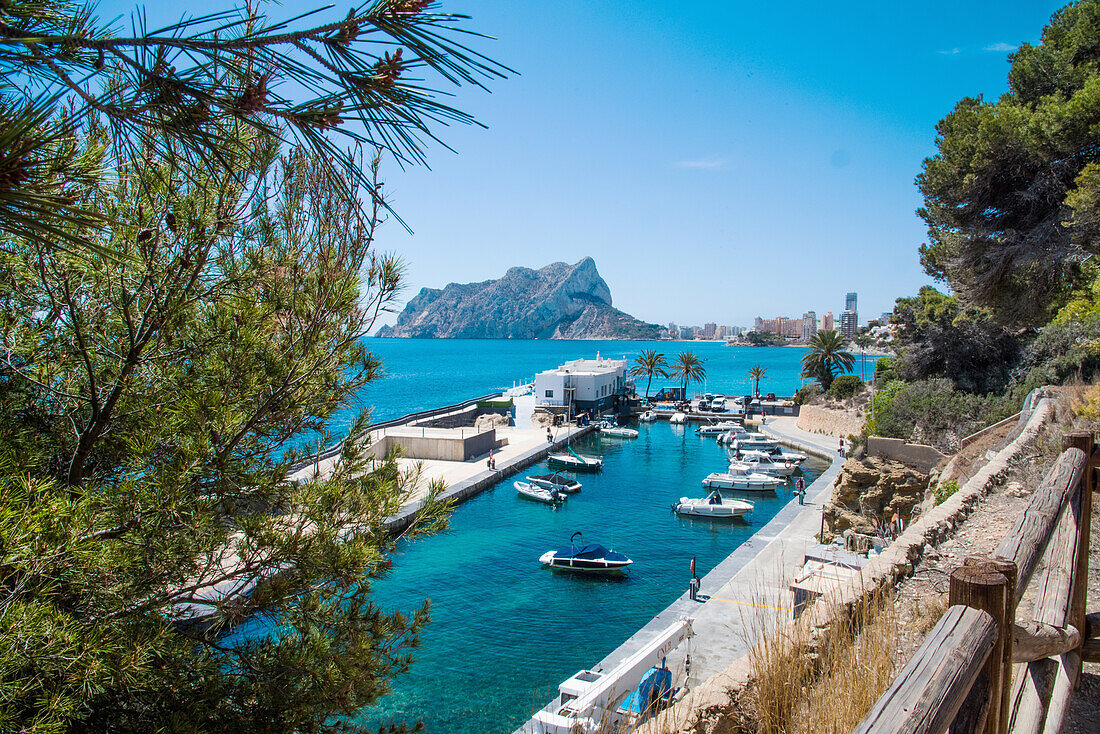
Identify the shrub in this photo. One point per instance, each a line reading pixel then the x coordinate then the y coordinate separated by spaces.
pixel 945 490
pixel 933 411
pixel 807 393
pixel 845 386
pixel 885 368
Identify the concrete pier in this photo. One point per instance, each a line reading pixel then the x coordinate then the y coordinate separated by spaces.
pixel 748 591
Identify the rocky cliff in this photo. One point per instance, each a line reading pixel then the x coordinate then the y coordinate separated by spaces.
pixel 872 490
pixel 559 301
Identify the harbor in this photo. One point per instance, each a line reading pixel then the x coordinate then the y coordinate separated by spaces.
pixel 483 574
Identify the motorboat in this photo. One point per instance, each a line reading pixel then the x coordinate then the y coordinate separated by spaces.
pixel 713 506
pixel 617 431
pixel 678 418
pixel 754 461
pixel 547 495
pixel 647 417
pixel 749 442
pixel 777 454
pixel 584 557
pixel 748 482
pixel 715 429
pixel 575 462
pixel 618 699
pixel 555 481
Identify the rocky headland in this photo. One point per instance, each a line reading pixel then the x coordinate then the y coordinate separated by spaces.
pixel 559 301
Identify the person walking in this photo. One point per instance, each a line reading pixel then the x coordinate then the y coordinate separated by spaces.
pixel 549 435
pixel 841 449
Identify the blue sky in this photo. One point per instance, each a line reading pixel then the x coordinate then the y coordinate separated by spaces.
pixel 719 160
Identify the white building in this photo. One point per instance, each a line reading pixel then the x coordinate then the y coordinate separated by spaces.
pixel 582 385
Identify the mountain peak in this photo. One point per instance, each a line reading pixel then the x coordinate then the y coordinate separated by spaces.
pixel 556 301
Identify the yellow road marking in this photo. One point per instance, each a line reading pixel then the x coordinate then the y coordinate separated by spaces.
pixel 749 604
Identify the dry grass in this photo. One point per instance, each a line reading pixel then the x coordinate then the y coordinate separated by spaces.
pixel 826 682
pixel 927 612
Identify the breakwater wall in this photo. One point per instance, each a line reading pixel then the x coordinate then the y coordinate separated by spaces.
pixel 483 480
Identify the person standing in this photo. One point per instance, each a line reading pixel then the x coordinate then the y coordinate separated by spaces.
pixel 841 449
pixel 800 490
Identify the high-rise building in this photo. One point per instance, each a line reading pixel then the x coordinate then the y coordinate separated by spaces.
pixel 886 316
pixel 708 330
pixel 809 325
pixel 850 302
pixel 758 324
pixel 720 332
pixel 827 322
pixel 849 324
pixel 687 332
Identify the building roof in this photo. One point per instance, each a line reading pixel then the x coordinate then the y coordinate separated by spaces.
pixel 588 367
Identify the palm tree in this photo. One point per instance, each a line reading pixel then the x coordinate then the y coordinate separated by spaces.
pixel 827 358
pixel 758 373
pixel 647 364
pixel 688 367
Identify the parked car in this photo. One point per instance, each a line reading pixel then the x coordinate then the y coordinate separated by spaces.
pixel 718 406
pixel 771 396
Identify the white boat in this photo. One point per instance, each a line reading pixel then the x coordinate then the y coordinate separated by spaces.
pixel 575 462
pixel 618 432
pixel 678 418
pixel 647 417
pixel 716 428
pixel 584 557
pixel 555 481
pixel 713 506
pixel 754 461
pixel 540 494
pixel 749 482
pixel 589 701
pixel 778 454
pixel 750 442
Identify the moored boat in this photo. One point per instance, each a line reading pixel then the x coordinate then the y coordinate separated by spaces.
pixel 715 429
pixel 647 417
pixel 575 462
pixel 555 481
pixel 678 418
pixel 547 495
pixel 713 506
pixel 750 482
pixel 583 557
pixel 754 461
pixel 618 431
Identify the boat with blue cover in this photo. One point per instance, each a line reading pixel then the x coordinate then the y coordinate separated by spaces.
pixel 585 558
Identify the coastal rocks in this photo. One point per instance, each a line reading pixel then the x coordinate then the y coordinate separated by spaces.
pixel 559 301
pixel 872 490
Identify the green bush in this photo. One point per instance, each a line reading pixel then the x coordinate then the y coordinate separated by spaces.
pixel 945 490
pixel 935 411
pixel 845 386
pixel 495 403
pixel 807 393
pixel 885 368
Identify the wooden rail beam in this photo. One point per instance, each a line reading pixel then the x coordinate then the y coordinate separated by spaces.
pixel 1035 641
pixel 1030 535
pixel 931 688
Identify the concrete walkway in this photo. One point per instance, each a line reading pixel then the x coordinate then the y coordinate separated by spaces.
pixel 748 592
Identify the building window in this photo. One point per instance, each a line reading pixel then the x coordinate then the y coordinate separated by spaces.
pixel 549 393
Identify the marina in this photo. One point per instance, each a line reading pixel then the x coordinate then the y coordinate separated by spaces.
pixel 483 579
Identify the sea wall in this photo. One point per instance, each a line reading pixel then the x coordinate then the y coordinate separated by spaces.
pixel 917 455
pixel 840 423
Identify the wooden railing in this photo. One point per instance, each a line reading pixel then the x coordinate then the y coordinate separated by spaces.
pixel 961 679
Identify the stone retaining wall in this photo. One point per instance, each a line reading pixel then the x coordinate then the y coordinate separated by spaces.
pixel 839 423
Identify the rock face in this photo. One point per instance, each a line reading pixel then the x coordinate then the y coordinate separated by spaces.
pixel 872 488
pixel 558 301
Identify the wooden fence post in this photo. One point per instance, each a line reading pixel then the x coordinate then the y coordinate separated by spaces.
pixel 1083 440
pixel 1011 574
pixel 982 586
